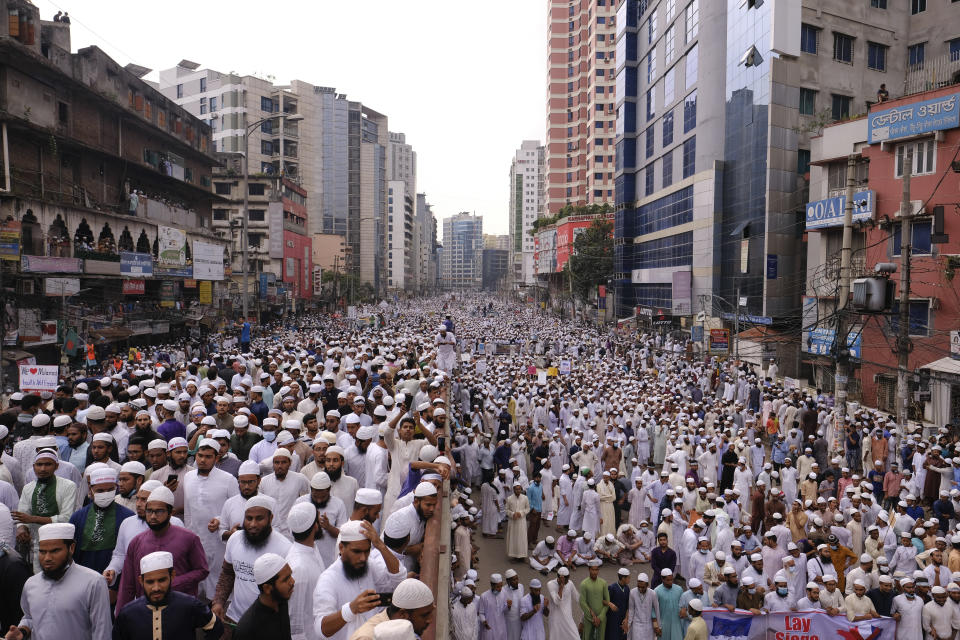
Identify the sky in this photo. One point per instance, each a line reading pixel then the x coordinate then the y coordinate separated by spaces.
pixel 465 81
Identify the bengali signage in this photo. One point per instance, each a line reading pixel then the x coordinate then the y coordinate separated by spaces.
pixel 719 341
pixel 172 247
pixel 50 264
pixel 134 287
pixel 829 212
pixel 800 625
pixel 917 118
pixel 820 341
pixel 61 286
pixel 39 377
pixel 10 240
pixel 205 292
pixel 207 261
pixel 136 264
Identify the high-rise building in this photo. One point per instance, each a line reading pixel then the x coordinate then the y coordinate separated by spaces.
pixel 717 102
pixel 427 248
pixel 462 258
pixel 580 103
pixel 526 205
pixel 403 238
pixel 491 241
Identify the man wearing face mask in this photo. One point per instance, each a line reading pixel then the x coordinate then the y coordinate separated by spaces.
pixel 907 610
pixel 750 597
pixel 779 599
pixel 97 524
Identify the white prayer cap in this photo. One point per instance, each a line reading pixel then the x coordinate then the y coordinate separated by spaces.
pixel 320 480
pixel 209 442
pixel 368 497
pixel 134 467
pixel 267 566
pixel 729 570
pixel 666 573
pixel 509 573
pixel 366 433
pixel 301 517
pixel 398 629
pixel 748 581
pixel 813 585
pixel 158 443
pixel 170 405
pixel 176 443
pixel 61 421
pixel 337 450
pixel 696 604
pixel 262 501
pixel 859 583
pixel 249 468
pixel 596 562
pixel 284 437
pixel 938 591
pixel 643 578
pixel 161 494
pixel 156 561
pixel 56 531
pixel 45 453
pixel 282 453
pixel 267 422
pixel 351 531
pixel 423 489
pixel 103 476
pixel 428 453
pixel 40 420
pixel 240 422
pixel 412 594
pixel 829 577
pixel 208 420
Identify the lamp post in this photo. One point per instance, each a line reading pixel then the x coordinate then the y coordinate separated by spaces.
pixel 245 240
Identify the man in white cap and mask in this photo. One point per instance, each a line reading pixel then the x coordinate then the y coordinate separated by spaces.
pixel 162 610
pixel 98 523
pixel 237 579
pixel 346 593
pixel 173 473
pixel 205 490
pixel 307 565
pixel 412 600
pixel 63 600
pixel 268 617
pixel 513 592
pixel 48 499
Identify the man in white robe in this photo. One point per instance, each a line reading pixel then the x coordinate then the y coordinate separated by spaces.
pixel 563 597
pixel 284 486
pixel 463 616
pixel 491 610
pixel 517 507
pixel 306 564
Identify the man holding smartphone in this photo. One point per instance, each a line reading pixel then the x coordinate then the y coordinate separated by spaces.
pixel 412 600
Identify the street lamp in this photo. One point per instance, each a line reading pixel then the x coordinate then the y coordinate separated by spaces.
pixel 289 117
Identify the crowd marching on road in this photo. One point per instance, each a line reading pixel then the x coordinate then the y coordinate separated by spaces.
pixel 281 486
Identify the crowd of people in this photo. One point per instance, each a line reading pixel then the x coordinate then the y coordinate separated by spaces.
pixel 282 487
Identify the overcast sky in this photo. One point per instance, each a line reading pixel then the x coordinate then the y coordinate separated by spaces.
pixel 466 81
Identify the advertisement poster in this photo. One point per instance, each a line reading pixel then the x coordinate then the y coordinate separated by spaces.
pixel 61 286
pixel 10 240
pixel 206 292
pixel 719 341
pixel 38 377
pixel 207 261
pixel 136 264
pixel 134 287
pixel 564 367
pixel 173 247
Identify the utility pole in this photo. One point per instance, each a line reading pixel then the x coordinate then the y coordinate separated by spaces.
pixel 840 337
pixel 903 339
pixel 736 329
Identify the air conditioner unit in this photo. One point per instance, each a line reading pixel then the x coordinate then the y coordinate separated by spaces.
pixel 916 208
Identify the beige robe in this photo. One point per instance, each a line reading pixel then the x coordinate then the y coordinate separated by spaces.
pixel 607 497
pixel 517 508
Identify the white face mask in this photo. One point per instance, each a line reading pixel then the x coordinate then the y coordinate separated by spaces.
pixel 104 499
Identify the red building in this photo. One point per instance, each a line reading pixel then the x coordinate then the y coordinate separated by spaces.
pixel 297 244
pixel 927 122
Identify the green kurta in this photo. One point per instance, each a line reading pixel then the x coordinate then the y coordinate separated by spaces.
pixel 594 598
pixel 669 599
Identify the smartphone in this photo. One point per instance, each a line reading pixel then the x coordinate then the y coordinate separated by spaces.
pixel 386 599
pixel 441 443
pixel 171 478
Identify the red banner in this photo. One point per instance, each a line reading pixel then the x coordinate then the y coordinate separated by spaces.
pixel 134 287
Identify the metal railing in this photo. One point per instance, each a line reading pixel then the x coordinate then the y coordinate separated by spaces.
pixel 934 73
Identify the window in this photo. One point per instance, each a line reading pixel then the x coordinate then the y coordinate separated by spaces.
pixel 63 113
pixel 648 177
pixel 652 28
pixel 667 169
pixel 690 112
pixel 689 156
pixel 809 38
pixel 919 317
pixel 672 251
pixel 671 9
pixel 651 66
pixel 840 107
pixel 651 144
pixel 257 215
pixel 203 105
pixel 808 102
pixel 919 238
pixel 257 189
pixel 668 44
pixel 266 104
pixel 203 84
pixel 842 48
pixel 916 54
pixel 693 19
pixel 669 87
pixel 918 6
pixel 179 90
pixel 803 161
pixel 222 188
pixel 924 157
pixel 668 129
pixel 692 65
pixel 876 56
pixel 651 109
pixel 266 147
pixel 213 104
pixel 954 49
pixel 878 4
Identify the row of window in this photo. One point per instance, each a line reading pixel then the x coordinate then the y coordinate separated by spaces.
pixel 688 166
pixel 844 45
pixel 672 251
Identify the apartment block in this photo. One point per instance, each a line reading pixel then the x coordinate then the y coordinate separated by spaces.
pixel 461 261
pixel 527 182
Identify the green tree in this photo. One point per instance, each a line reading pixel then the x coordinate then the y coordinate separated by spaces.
pixel 592 261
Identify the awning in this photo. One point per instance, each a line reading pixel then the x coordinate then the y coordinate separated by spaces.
pixel 111 334
pixel 944 365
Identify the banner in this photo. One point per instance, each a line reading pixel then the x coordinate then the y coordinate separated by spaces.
pixel 10 240
pixel 172 247
pixel 61 286
pixel 39 377
pixel 802 625
pixel 134 287
pixel 207 261
pixel 206 292
pixel 136 264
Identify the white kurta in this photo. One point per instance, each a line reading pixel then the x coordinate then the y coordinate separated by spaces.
pixel 334 589
pixel 242 556
pixel 76 606
pixel 307 565
pixel 463 620
pixel 336 515
pixel 644 607
pixel 401 455
pixel 590 502
pixel 285 492
pixel 491 607
pixel 532 627
pixel 560 621
pixel 204 497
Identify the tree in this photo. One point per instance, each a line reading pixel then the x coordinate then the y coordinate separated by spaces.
pixel 592 261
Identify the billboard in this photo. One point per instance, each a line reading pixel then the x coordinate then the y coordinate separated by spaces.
pixel 137 265
pixel 173 247
pixel 829 212
pixel 905 120
pixel 207 261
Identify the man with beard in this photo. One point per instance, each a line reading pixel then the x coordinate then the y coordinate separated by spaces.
pixel 346 593
pixel 306 564
pixel 171 613
pixel 413 518
pixel 284 486
pixel 231 515
pixel 48 499
pixel 331 514
pixel 190 561
pixel 367 505
pixel 237 574
pixel 343 486
pixel 412 601
pixel 268 618
pixel 172 475
pixel 64 600
pixel 355 455
pixel 207 489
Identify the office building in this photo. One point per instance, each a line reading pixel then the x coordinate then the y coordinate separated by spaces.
pixel 462 257
pixel 526 205
pixel 428 248
pixel 580 103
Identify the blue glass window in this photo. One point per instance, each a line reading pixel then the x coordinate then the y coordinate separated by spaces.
pixel 651 109
pixel 651 144
pixel 654 295
pixel 955 49
pixel 690 156
pixel 667 169
pixel 876 56
pixel 648 187
pixel 803 161
pixel 809 37
pixel 690 112
pixel 919 317
pixel 668 129
pixel 672 251
pixel 916 53
pixel 920 238
pixel 666 212
pixel 692 66
pixel 266 104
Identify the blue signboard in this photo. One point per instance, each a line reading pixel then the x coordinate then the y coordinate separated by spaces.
pixel 696 333
pixel 914 119
pixel 829 212
pixel 771 266
pixel 136 265
pixel 765 320
pixel 821 340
